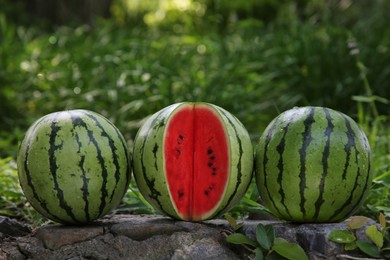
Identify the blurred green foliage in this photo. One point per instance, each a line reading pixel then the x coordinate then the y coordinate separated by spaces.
pixel 254 58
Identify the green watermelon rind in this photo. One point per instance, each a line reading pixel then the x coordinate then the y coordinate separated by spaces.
pixel 73 166
pixel 337 171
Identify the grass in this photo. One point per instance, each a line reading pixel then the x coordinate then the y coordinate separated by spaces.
pixel 377 129
pixel 127 71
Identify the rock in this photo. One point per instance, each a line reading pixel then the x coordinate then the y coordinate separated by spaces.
pixel 11 253
pixel 139 230
pixel 56 236
pixel 313 238
pixel 208 248
pixel 124 237
pixel 183 244
pixel 30 245
pixel 158 237
pixel 12 227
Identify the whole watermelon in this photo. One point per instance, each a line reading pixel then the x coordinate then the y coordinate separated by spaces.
pixel 73 166
pixel 313 164
pixel 193 161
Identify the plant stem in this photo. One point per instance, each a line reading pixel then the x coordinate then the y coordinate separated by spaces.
pixel 367 87
pixel 342 256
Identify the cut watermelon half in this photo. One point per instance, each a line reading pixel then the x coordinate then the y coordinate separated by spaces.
pixel 196 159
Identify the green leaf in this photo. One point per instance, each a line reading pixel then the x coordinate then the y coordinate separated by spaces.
pixel 274 256
pixel 357 222
pixel 368 248
pixel 362 99
pixel 269 229
pixel 12 194
pixel 7 212
pixel 279 240
pixel 233 223
pixel 375 235
pixel 238 239
pixel 350 246
pixel 290 251
pixel 370 99
pixel 341 236
pixel 262 237
pixel 259 254
pixel 382 220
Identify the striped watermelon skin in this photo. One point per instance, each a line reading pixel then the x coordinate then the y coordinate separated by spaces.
pixel 73 166
pixel 149 161
pixel 313 164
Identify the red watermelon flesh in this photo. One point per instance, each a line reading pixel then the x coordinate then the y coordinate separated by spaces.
pixel 196 156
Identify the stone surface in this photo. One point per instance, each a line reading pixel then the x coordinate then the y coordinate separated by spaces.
pixel 12 227
pixel 157 237
pixel 139 229
pixel 56 236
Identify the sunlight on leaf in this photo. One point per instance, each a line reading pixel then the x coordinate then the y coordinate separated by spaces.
pixel 382 220
pixel 341 236
pixel 357 222
pixel 233 223
pixel 350 246
pixel 375 235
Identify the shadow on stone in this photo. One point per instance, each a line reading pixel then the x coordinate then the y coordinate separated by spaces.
pixel 13 228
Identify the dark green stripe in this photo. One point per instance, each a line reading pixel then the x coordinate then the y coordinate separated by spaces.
pixel 325 156
pixel 77 121
pixel 239 173
pixel 280 148
pixel 347 148
pixel 84 188
pixel 155 150
pixel 267 141
pixel 113 149
pixel 351 145
pixel 307 138
pixel 54 167
pixel 124 146
pixel 30 184
pixel 154 193
pixel 366 182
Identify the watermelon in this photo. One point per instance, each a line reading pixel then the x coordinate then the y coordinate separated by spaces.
pixel 73 166
pixel 192 161
pixel 313 164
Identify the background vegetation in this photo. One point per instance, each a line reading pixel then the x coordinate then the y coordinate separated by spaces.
pixel 128 59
